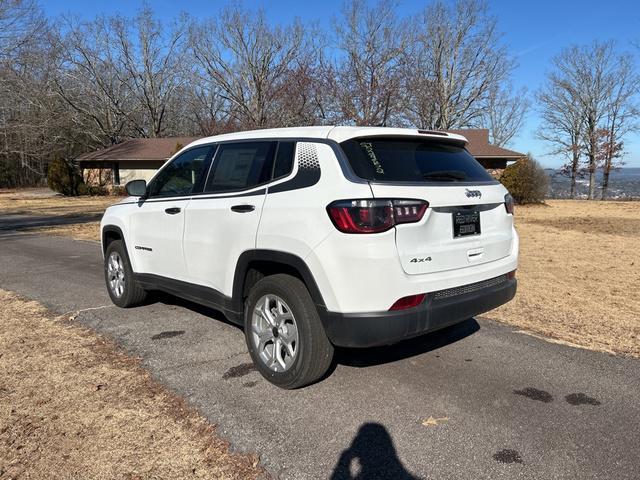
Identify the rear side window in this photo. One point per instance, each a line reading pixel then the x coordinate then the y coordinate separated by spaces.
pixel 409 160
pixel 238 166
pixel 284 159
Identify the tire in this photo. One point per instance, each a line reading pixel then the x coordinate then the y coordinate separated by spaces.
pixel 124 291
pixel 287 297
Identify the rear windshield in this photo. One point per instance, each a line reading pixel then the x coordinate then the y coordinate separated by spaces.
pixel 409 160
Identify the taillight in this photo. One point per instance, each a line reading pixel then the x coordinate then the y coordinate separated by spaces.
pixel 374 215
pixel 509 203
pixel 408 302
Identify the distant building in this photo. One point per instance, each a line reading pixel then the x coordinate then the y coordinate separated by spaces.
pixel 493 158
pixel 139 158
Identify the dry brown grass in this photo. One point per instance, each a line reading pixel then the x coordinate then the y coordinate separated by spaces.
pixel 77 231
pixel 41 202
pixel 33 202
pixel 579 274
pixel 73 406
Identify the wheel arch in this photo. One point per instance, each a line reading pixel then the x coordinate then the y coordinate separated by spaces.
pixel 253 265
pixel 109 234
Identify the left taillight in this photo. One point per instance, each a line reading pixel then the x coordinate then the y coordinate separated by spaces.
pixel 374 215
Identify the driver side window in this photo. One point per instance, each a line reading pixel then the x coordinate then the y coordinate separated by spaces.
pixel 181 176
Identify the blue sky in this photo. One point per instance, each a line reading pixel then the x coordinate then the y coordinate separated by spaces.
pixel 534 31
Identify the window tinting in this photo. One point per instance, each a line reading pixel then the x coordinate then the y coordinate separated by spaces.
pixel 238 166
pixel 180 176
pixel 284 159
pixel 408 160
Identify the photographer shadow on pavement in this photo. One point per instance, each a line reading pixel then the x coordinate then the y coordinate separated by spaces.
pixel 371 455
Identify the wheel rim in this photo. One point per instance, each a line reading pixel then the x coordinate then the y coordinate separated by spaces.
pixel 115 273
pixel 275 333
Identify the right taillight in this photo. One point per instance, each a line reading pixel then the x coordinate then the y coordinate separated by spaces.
pixel 374 215
pixel 509 203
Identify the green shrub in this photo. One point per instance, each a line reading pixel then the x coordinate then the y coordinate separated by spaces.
pixel 64 178
pixel 526 180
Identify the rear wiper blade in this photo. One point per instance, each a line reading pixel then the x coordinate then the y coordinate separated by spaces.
pixel 446 174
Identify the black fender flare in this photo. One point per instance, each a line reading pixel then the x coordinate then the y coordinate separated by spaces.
pixel 113 228
pixel 277 257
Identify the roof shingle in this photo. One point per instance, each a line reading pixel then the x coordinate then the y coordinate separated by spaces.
pixel 138 149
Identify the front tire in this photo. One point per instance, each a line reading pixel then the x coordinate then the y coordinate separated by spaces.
pixel 123 289
pixel 284 334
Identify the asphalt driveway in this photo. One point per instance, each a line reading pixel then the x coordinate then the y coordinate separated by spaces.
pixel 475 401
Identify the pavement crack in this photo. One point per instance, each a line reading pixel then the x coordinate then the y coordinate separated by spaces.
pixel 71 315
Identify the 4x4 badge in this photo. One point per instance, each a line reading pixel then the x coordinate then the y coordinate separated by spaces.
pixel 473 193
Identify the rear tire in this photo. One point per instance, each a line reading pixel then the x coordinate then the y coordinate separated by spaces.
pixel 123 289
pixel 280 318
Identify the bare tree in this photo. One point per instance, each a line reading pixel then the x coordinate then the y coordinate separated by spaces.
pixel 366 79
pixel 248 63
pixel 21 24
pixel 89 78
pixel 460 64
pixel 590 76
pixel 504 113
pixel 609 156
pixel 588 71
pixel 152 57
pixel 562 125
pixel 621 117
pixel 30 123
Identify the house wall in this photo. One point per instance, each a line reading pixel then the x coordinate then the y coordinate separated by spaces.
pixel 138 170
pixel 102 173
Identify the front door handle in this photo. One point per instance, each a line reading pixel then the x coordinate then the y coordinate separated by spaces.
pixel 243 208
pixel 172 210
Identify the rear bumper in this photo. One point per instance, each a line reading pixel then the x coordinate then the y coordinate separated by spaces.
pixel 439 310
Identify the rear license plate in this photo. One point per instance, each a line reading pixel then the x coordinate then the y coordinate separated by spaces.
pixel 465 223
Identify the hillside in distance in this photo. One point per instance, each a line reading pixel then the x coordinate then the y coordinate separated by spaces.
pixel 624 184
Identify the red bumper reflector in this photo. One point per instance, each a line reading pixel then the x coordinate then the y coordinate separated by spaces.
pixel 408 302
pixel 511 274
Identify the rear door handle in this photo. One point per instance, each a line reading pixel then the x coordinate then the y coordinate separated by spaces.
pixel 172 210
pixel 243 208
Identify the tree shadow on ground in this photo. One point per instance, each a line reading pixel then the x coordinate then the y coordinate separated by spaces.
pixel 371 455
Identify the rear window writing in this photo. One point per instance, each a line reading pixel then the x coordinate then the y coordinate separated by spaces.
pixel 412 160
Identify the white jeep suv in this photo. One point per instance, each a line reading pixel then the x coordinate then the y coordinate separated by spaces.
pixel 318 237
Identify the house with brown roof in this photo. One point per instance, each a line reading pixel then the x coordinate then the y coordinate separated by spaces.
pixel 492 157
pixel 139 158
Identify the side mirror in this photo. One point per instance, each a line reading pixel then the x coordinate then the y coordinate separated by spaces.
pixel 136 188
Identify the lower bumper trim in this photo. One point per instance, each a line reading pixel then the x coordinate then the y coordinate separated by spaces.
pixel 437 311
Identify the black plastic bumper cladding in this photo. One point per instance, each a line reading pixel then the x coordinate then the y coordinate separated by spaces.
pixel 385 328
